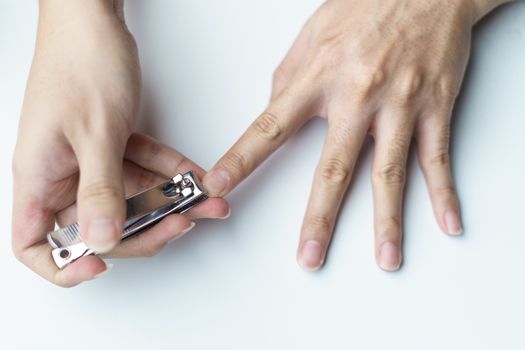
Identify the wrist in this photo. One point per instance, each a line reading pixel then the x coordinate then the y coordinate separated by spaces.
pixel 79 21
pixel 71 11
pixel 484 7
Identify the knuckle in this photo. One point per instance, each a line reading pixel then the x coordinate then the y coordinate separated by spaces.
pixel 444 137
pixel 440 156
pixel 408 87
pixel 446 88
pixel 390 227
pixel 398 146
pixel 279 78
pixel 329 48
pixel 328 56
pixel 180 162
pixel 334 171
pixel 100 127
pixel 21 164
pixel 113 112
pixel 447 192
pixel 235 162
pixel 367 80
pixel 268 127
pixel 154 149
pixel 147 179
pixel 390 174
pixel 125 124
pixel 149 249
pixel 319 224
pixel 343 132
pixel 100 190
pixel 440 159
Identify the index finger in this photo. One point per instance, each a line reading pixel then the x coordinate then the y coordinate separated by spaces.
pixel 285 115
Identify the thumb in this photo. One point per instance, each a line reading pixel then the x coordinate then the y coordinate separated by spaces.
pixel 100 199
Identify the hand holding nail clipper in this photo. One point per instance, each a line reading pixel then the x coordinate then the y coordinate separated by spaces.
pixel 77 157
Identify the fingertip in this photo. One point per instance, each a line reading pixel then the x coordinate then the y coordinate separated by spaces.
pixel 83 269
pixel 389 257
pixel 212 208
pixel 227 215
pixel 169 229
pixel 452 223
pixel 101 235
pixel 310 255
pixel 175 223
pixel 108 267
pixel 218 208
pixel 216 182
pixel 181 233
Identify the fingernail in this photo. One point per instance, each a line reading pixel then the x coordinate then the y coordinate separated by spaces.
pixel 217 181
pixel 188 229
pixel 101 235
pixel 108 267
pixel 227 214
pixel 453 223
pixel 310 255
pixel 389 257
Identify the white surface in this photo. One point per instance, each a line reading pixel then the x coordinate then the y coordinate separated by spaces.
pixel 235 284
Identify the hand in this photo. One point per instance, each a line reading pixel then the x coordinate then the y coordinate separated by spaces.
pixel 75 136
pixel 391 69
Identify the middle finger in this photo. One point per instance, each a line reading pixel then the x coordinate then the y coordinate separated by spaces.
pixel 392 134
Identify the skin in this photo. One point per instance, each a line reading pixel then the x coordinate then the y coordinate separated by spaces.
pixel 389 69
pixel 76 151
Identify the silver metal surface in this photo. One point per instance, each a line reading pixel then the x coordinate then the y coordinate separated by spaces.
pixel 144 209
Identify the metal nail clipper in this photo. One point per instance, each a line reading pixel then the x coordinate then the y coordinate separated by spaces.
pixel 144 209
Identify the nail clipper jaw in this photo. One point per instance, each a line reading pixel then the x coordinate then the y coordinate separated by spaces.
pixel 179 186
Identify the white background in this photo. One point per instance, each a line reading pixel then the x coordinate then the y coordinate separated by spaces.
pixel 234 284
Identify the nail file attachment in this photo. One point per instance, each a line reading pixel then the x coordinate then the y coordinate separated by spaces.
pixel 144 209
